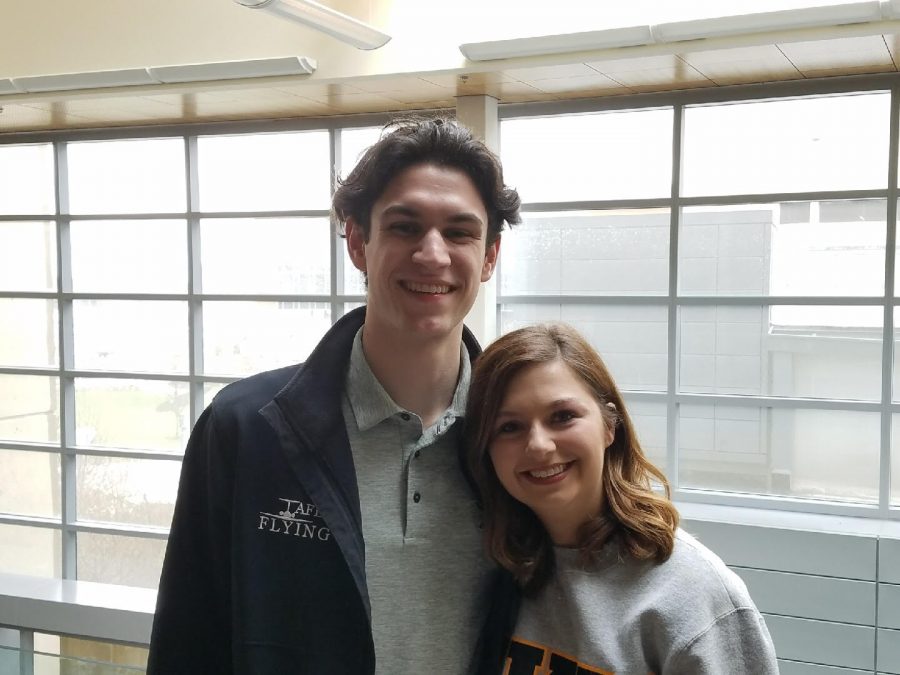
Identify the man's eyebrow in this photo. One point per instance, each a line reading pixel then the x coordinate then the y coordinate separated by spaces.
pixel 412 212
pixel 400 210
pixel 467 217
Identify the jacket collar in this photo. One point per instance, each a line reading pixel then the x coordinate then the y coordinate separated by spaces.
pixel 371 404
pixel 311 400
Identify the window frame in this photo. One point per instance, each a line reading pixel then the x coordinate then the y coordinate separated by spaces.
pixel 65 565
pixel 675 202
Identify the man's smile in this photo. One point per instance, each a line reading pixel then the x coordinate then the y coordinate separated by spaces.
pixel 433 289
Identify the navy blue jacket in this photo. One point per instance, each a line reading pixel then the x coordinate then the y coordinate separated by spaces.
pixel 265 567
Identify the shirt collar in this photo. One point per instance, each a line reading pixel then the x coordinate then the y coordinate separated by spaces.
pixel 371 404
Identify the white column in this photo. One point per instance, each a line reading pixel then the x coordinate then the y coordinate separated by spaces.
pixel 479 113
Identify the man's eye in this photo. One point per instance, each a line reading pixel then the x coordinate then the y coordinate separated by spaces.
pixel 457 234
pixel 403 228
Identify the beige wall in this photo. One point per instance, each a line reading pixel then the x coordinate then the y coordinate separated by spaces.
pixel 41 37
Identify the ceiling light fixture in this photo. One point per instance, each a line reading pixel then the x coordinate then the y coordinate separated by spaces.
pixel 7 87
pixel 761 22
pixel 92 80
pixel 868 11
pixel 233 70
pixel 325 19
pixel 557 44
pixel 194 72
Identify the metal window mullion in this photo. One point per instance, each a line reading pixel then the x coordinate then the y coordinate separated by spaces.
pixel 23 217
pixel 696 301
pixel 285 213
pixel 780 402
pixel 26 651
pixel 887 344
pixel 176 215
pixel 45 448
pixel 266 126
pixel 68 461
pixel 336 268
pixel 760 198
pixel 563 299
pixel 672 452
pixel 42 522
pixel 115 217
pixel 232 297
pixel 195 280
pixel 124 529
pixel 789 89
pixel 790 504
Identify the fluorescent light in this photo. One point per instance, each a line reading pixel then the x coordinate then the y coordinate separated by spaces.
pixel 194 72
pixel 325 19
pixel 557 44
pixel 231 70
pixel 92 80
pixel 807 17
pixel 676 31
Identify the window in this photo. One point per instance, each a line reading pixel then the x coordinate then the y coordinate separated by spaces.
pixel 737 293
pixel 140 276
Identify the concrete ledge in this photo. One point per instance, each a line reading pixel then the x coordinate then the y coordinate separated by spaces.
pixel 106 612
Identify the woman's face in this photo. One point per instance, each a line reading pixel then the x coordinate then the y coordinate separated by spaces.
pixel 547 447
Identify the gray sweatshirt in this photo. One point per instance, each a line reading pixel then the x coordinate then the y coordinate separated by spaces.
pixel 690 615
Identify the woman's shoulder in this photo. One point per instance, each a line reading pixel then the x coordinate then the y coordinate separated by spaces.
pixel 694 566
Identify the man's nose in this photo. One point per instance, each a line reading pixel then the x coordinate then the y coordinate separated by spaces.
pixel 432 250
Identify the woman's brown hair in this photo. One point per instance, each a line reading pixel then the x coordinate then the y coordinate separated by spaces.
pixel 631 514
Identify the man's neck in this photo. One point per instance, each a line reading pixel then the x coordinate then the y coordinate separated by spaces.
pixel 419 375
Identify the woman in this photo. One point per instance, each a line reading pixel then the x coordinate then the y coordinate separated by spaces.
pixel 602 579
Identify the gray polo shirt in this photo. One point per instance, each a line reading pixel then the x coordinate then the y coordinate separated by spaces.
pixel 425 566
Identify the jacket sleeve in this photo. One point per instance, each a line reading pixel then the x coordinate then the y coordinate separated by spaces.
pixel 504 600
pixel 192 624
pixel 737 642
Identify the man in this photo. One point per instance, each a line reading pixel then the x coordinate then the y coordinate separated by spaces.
pixel 323 522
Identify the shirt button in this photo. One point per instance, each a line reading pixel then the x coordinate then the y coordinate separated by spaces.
pixel 416 454
pixel 404 417
pixel 417 497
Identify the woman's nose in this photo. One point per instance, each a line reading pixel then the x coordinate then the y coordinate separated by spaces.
pixel 539 440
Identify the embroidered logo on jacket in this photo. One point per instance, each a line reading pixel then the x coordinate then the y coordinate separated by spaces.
pixel 296 518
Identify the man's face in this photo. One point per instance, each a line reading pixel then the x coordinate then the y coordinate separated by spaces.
pixel 426 255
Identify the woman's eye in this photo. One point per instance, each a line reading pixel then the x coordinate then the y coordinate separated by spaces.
pixel 563 416
pixel 507 428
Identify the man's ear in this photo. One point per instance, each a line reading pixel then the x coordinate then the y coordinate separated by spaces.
pixel 490 259
pixel 356 244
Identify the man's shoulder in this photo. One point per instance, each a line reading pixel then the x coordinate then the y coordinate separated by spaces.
pixel 251 393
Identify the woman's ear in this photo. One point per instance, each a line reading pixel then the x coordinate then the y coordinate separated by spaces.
pixel 612 421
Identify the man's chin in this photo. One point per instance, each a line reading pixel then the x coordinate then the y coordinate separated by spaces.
pixel 432 327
